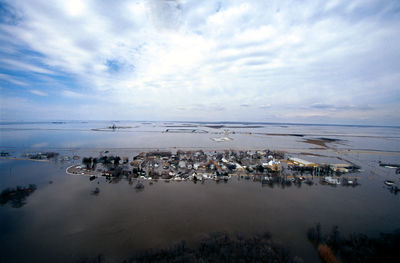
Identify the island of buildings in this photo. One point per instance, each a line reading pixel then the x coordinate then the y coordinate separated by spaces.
pixel 265 166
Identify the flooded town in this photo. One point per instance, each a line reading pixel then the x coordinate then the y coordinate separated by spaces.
pixel 264 166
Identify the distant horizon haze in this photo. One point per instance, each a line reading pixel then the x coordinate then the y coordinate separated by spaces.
pixel 222 122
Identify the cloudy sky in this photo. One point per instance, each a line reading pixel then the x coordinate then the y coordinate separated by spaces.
pixel 275 61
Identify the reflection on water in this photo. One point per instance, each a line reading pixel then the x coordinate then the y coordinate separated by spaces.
pixel 96 191
pixel 75 217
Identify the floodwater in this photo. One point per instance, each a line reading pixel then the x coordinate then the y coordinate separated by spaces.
pixel 62 221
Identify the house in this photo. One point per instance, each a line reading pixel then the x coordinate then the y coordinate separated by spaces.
pixel 331 180
pixel 274 166
pixel 182 164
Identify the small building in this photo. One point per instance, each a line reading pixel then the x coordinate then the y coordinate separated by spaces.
pixel 182 164
pixel 331 180
pixel 274 166
pixel 301 162
pixel 342 168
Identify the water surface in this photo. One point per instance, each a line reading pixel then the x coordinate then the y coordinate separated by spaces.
pixel 62 221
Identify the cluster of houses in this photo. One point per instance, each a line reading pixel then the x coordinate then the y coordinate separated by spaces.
pixel 262 165
pixel 200 165
pixel 328 172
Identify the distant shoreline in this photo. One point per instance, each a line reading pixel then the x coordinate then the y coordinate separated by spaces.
pixel 24 159
pixel 63 122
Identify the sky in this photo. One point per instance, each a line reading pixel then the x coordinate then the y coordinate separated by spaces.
pixel 177 60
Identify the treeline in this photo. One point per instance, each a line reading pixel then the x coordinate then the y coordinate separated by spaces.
pixel 16 196
pixel 355 248
pixel 90 162
pixel 222 247
pixel 217 247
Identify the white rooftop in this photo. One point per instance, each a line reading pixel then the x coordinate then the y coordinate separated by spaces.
pixel 298 160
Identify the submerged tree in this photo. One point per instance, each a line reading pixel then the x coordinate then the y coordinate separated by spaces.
pixel 16 196
pixel 314 234
pixel 356 248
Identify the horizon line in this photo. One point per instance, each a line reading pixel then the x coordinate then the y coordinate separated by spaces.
pixel 203 122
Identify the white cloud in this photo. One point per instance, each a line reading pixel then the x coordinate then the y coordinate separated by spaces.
pixel 71 94
pixel 24 66
pixel 38 92
pixel 221 54
pixel 12 80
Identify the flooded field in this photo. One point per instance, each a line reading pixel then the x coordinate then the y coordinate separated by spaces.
pixel 68 217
